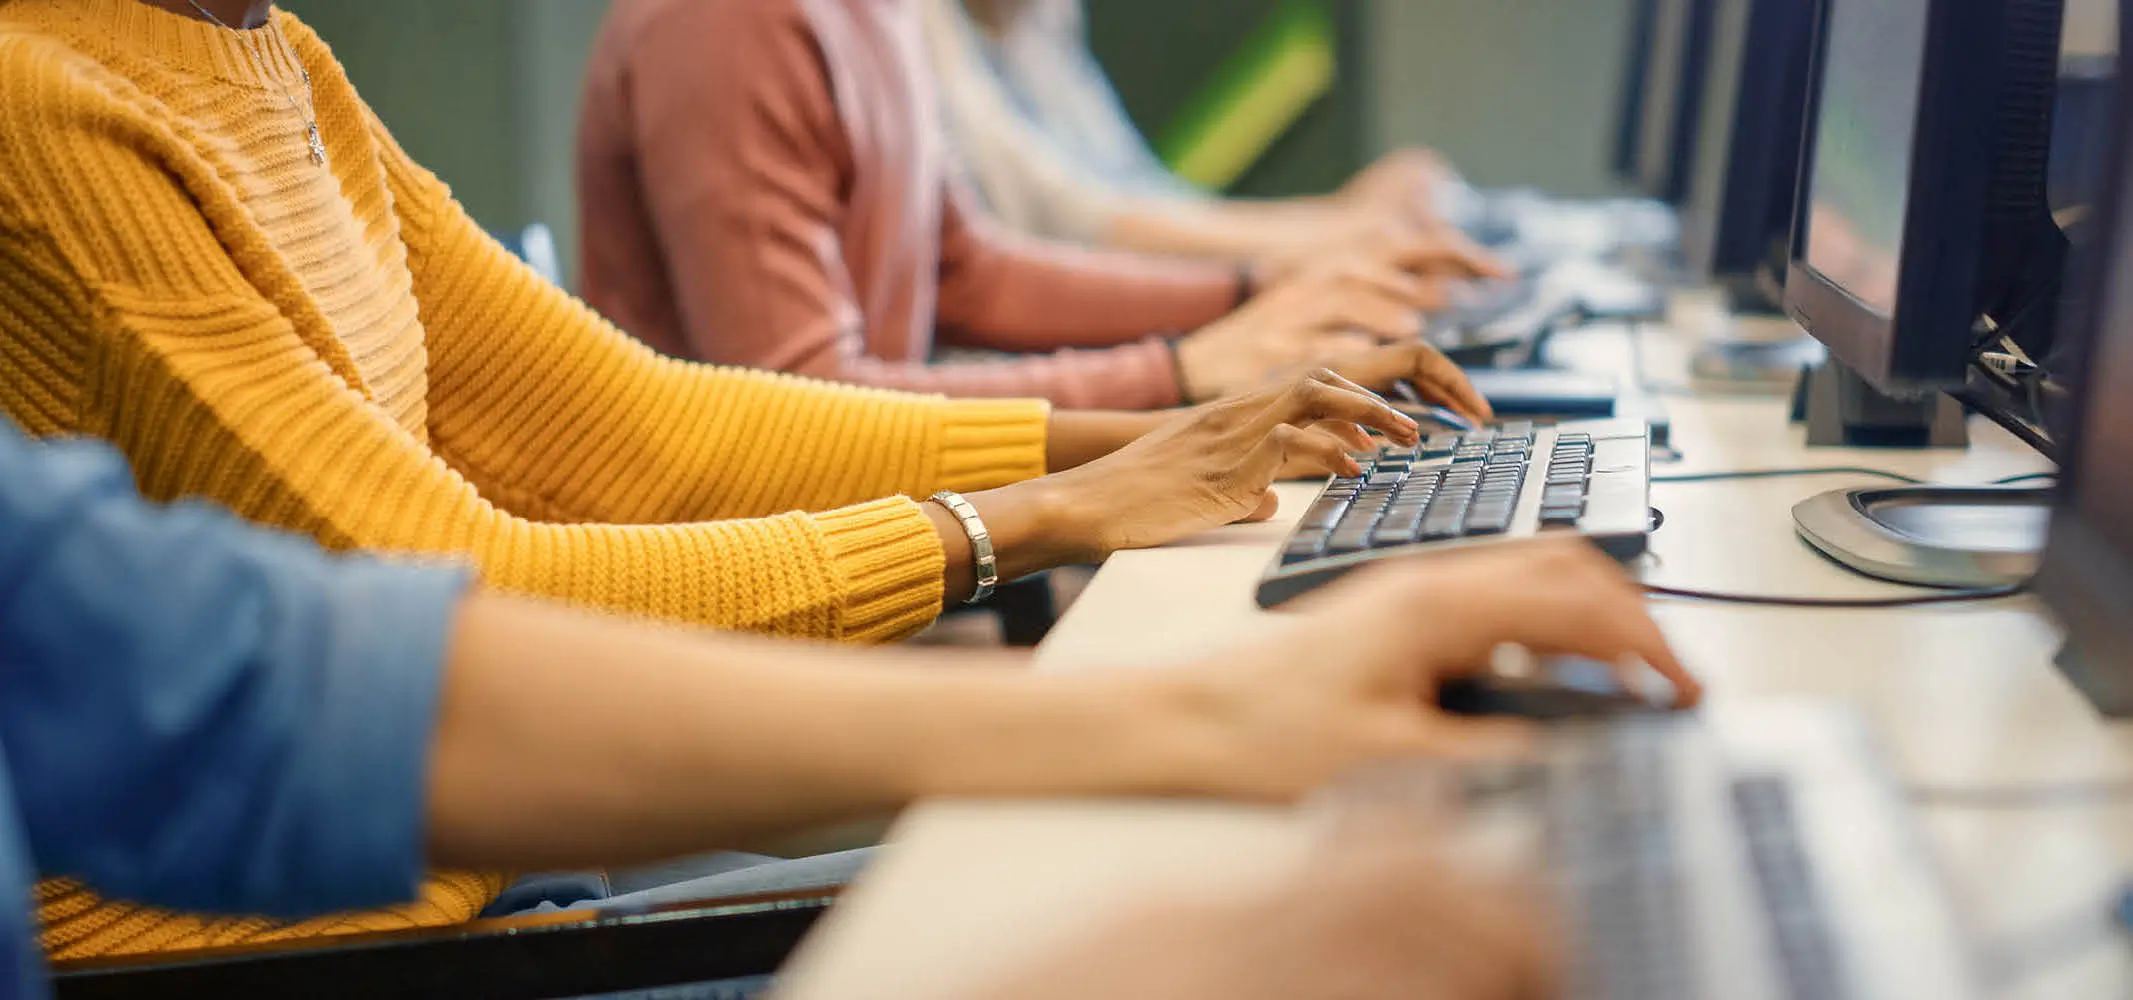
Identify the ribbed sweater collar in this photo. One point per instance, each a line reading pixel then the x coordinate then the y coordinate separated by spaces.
pixel 251 57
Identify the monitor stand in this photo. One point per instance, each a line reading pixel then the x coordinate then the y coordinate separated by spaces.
pixel 1932 536
pixel 2110 690
pixel 1842 411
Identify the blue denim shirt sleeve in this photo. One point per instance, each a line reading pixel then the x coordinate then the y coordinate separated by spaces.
pixel 202 714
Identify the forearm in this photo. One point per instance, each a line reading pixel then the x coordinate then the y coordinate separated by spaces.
pixel 1008 292
pixel 1078 437
pixel 565 740
pixel 1034 526
pixel 1231 231
pixel 1133 376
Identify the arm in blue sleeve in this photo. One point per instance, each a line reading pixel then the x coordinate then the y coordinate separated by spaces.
pixel 202 714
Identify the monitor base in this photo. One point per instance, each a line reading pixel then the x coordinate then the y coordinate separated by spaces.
pixel 1842 411
pixel 1930 536
pixel 2111 691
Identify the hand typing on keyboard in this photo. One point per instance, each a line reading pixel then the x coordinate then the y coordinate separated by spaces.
pixel 1331 313
pixel 1218 463
pixel 1436 379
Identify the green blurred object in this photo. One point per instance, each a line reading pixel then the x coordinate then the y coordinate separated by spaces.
pixel 1163 55
pixel 1256 95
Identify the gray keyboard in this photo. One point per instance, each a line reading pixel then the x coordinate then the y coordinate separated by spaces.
pixel 1460 489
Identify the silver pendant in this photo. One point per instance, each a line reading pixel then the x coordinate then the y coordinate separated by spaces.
pixel 317 144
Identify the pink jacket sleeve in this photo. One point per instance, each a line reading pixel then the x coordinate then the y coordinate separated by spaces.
pixel 1004 290
pixel 744 164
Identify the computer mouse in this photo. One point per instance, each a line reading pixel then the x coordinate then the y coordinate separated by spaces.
pixel 1573 689
pixel 1538 700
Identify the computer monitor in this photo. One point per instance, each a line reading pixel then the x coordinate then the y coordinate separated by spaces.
pixel 2087 570
pixel 1925 257
pixel 1673 97
pixel 1922 223
pixel 1629 112
pixel 1737 218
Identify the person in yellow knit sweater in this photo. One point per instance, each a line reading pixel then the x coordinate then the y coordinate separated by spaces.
pixel 214 256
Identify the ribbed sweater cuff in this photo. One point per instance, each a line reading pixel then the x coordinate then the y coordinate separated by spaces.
pixel 890 563
pixel 988 443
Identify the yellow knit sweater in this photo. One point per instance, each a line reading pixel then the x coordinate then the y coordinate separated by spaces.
pixel 339 350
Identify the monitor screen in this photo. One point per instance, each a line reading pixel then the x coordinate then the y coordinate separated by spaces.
pixel 1629 118
pixel 1662 93
pixel 1861 175
pixel 1714 134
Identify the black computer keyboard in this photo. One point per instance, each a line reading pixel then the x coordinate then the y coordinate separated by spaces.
pixel 1613 833
pixel 1511 480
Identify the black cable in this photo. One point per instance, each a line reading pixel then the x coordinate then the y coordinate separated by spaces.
pixel 1825 470
pixel 2024 478
pixel 1786 601
pixel 1833 470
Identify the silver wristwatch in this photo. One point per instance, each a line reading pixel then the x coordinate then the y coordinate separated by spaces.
pixel 988 569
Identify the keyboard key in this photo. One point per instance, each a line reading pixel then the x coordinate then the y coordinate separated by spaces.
pixel 1438 529
pixel 1417 486
pixel 1304 548
pixel 1323 514
pixel 1349 537
pixel 1438 446
pixel 1394 532
pixel 1387 478
pixel 1515 429
pixel 1560 516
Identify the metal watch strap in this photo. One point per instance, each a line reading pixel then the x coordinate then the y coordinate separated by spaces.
pixel 981 558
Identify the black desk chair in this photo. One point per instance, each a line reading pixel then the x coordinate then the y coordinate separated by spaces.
pixel 551 955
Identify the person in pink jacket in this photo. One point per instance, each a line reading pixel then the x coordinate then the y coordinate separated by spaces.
pixel 767 183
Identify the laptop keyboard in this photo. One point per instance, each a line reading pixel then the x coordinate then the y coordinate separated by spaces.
pixel 1799 936
pixel 1399 501
pixel 1612 829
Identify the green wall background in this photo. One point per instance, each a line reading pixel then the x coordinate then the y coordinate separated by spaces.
pixel 1516 91
pixel 485 92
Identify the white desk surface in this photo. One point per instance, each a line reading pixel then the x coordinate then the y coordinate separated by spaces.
pixel 1958 696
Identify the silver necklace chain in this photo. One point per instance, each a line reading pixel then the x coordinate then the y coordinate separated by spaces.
pixel 308 108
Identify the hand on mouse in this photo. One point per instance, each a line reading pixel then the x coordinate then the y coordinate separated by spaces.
pixel 1351 675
